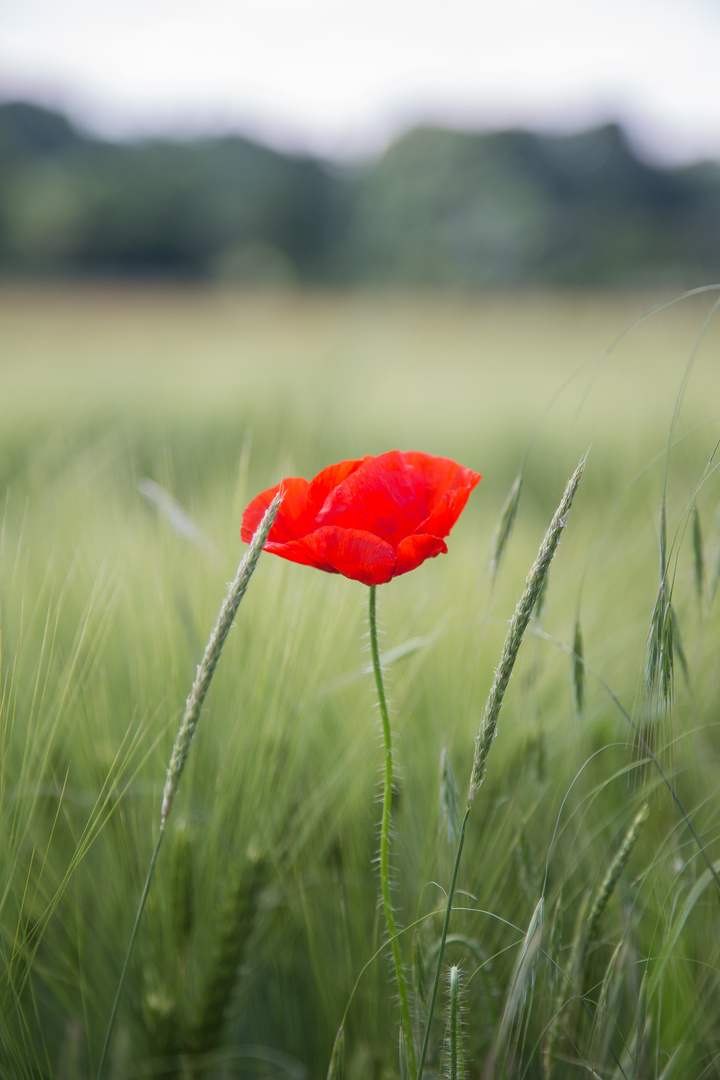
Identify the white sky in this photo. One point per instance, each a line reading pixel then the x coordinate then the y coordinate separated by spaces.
pixel 342 77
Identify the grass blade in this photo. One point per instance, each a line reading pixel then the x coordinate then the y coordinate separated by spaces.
pixel 698 558
pixel 336 1068
pixel 578 668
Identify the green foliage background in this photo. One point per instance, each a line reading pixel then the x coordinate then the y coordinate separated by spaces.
pixel 439 208
pixel 105 607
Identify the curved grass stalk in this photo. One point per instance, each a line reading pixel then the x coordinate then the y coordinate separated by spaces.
pixel 488 725
pixel 647 750
pixel 183 739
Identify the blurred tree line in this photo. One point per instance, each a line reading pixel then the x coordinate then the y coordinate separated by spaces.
pixel 438 208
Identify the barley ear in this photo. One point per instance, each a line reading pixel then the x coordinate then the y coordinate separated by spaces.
pixel 449 799
pixel 522 981
pixel 233 921
pixel 663 646
pixel 214 647
pixel 504 528
pixel 555 990
pixel 182 887
pixel 518 625
pixel 607 888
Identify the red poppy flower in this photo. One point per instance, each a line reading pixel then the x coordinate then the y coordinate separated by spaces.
pixel 370 519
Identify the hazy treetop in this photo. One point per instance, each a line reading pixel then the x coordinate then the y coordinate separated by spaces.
pixel 343 78
pixel 438 208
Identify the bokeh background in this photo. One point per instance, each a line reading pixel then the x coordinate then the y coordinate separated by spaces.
pixel 239 242
pixel 465 146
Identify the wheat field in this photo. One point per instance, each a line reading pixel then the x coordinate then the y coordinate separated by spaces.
pixel 135 425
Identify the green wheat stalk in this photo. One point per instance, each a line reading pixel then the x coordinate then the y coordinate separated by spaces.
pixel 214 647
pixel 232 924
pixel 533 588
pixel 487 731
pixel 455 1064
pixel 337 1059
pixel 607 888
pixel 184 737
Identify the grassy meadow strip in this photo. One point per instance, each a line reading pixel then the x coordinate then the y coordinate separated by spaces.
pixel 585 929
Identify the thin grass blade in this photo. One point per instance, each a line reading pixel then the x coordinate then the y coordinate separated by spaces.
pixel 555 988
pixel 698 557
pixel 578 668
pixel 336 1068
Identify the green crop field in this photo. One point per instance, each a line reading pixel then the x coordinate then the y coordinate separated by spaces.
pixel 135 425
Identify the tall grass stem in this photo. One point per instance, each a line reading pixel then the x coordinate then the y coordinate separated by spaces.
pixel 214 647
pixel 533 588
pixel 534 585
pixel 457 1070
pixel 128 954
pixel 385 835
pixel 443 939
pixel 184 737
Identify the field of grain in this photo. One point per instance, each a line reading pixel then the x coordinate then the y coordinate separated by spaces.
pixel 135 425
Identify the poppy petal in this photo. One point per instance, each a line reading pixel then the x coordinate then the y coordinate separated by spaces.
pixel 448 510
pixel 352 552
pixel 326 481
pixel 294 551
pixel 414 550
pixel 368 518
pixel 440 476
pixel 381 496
pixel 291 520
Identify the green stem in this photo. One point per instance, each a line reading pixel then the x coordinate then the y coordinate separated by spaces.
pixel 443 938
pixel 385 838
pixel 128 954
pixel 488 725
pixel 193 706
pixel 453 1023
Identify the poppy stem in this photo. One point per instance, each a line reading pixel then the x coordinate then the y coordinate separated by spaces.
pixel 385 840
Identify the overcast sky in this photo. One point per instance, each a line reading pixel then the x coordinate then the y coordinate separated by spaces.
pixel 340 77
